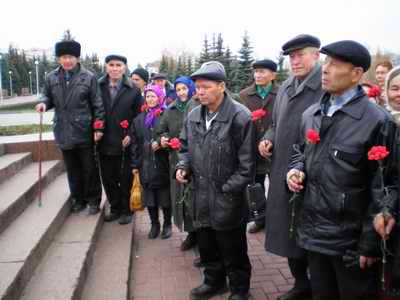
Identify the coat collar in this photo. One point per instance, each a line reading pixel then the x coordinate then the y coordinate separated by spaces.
pixel 354 108
pixel 223 114
pixel 251 90
pixel 125 81
pixel 313 81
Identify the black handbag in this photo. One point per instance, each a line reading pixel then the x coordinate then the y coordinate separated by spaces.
pixel 255 197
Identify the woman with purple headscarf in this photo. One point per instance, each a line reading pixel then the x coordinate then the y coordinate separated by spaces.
pixel 151 161
pixel 168 136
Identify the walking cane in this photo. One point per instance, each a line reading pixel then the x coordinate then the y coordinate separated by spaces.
pixel 40 158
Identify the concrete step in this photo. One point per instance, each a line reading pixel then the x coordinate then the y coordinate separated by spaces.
pixel 20 190
pixel 10 164
pixel 26 240
pixel 63 270
pixel 2 149
pixel 109 275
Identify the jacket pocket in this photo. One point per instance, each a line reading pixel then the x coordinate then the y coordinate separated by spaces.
pixel 347 157
pixel 228 209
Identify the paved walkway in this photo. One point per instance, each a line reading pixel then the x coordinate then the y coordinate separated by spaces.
pixel 162 272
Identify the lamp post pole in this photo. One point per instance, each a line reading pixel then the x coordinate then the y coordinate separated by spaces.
pixel 11 87
pixel 1 81
pixel 37 77
pixel 30 82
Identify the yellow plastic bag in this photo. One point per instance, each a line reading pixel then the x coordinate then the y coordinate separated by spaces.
pixel 136 194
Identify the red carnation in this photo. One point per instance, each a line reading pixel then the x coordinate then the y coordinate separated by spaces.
pixel 377 153
pixel 124 124
pixel 98 124
pixel 374 92
pixel 175 144
pixel 144 107
pixel 158 112
pixel 258 114
pixel 313 136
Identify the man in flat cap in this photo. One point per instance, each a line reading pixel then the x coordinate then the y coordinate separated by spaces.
pixel 122 101
pixel 333 170
pixel 297 93
pixel 218 153
pixel 73 93
pixel 260 97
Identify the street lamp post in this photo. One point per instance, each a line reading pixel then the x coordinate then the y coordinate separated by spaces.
pixel 11 87
pixel 1 81
pixel 37 77
pixel 30 82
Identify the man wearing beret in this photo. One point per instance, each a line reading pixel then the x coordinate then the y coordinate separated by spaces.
pixel 260 97
pixel 218 153
pixel 73 93
pixel 122 101
pixel 297 93
pixel 339 181
pixel 140 78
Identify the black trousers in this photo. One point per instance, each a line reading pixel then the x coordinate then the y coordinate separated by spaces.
pixel 224 253
pixel 83 175
pixel 299 269
pixel 331 280
pixel 117 181
pixel 260 220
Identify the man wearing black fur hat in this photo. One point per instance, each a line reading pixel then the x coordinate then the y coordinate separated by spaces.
pixel 122 101
pixel 332 164
pixel 73 93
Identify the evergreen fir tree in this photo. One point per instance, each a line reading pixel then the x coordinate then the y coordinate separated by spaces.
pixel 205 54
pixel 245 61
pixel 163 64
pixel 282 74
pixel 219 50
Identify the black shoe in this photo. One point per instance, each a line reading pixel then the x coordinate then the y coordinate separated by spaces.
pixel 166 232
pixel 256 227
pixel 238 296
pixel 189 242
pixel 154 231
pixel 197 263
pixel 125 219
pixel 206 291
pixel 112 216
pixel 93 210
pixel 77 207
pixel 296 294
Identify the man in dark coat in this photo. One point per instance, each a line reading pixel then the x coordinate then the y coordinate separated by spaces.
pixel 122 102
pixel 73 93
pixel 218 151
pixel 260 98
pixel 296 94
pixel 343 181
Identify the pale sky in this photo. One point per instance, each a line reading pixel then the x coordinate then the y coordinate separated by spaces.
pixel 140 30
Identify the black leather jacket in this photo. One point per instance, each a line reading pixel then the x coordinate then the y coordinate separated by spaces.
pixel 76 107
pixel 342 185
pixel 221 161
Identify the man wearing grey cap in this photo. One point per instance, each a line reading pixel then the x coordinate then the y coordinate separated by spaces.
pixel 339 179
pixel 295 95
pixel 218 153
